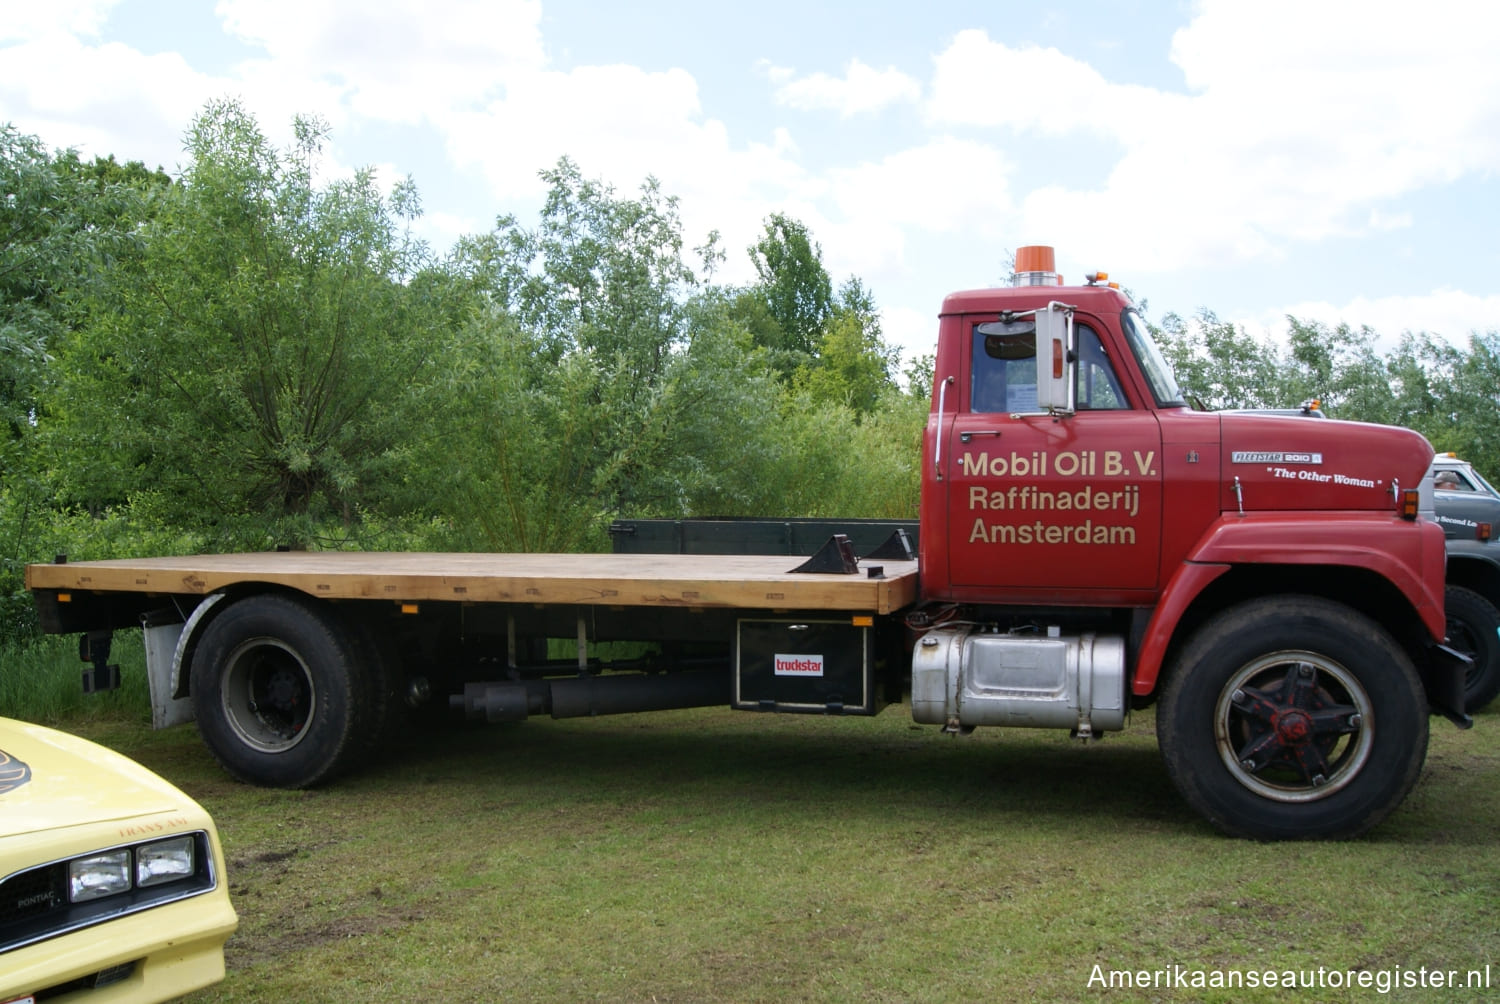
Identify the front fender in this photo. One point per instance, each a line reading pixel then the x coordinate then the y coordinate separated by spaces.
pixel 1190 579
pixel 1407 554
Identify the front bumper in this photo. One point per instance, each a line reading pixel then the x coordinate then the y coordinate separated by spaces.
pixel 155 955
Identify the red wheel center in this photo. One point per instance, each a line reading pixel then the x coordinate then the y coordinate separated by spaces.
pixel 1294 726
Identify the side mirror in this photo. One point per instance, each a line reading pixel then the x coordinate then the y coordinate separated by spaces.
pixel 1056 359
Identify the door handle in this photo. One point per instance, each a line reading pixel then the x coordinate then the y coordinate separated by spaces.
pixel 937 450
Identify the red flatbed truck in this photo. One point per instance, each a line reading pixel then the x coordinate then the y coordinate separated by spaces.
pixel 1086 545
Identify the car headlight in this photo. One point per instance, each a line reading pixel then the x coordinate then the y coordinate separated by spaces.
pixel 164 861
pixel 100 875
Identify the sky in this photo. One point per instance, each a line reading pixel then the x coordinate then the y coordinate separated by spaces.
pixel 1334 161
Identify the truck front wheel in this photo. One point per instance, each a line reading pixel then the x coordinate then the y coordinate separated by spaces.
pixel 1474 630
pixel 277 692
pixel 1293 718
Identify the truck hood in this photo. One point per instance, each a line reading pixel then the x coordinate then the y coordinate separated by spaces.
pixel 1282 462
pixel 50 780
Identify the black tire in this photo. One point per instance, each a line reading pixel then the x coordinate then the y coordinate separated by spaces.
pixel 279 694
pixel 1474 630
pixel 1291 718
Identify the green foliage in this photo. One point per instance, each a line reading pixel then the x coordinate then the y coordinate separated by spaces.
pixel 43 244
pixel 919 377
pixel 854 365
pixel 39 682
pixel 249 356
pixel 267 359
pixel 1222 366
pixel 1450 395
pixel 600 274
pixel 567 410
pixel 63 223
pixel 794 285
pixel 262 355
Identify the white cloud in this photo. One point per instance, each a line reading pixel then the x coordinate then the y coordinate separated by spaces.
pixel 862 90
pixel 777 75
pixel 1446 313
pixel 913 331
pixel 102 99
pixel 1301 122
pixel 395 60
pixel 942 186
pixel 623 124
pixel 947 186
pixel 28 21
pixel 980 82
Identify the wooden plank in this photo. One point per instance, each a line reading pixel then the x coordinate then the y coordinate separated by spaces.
pixel 649 580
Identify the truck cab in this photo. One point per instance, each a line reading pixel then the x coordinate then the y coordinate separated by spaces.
pixel 1089 543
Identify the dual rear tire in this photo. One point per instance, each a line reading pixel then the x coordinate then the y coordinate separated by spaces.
pixel 287 692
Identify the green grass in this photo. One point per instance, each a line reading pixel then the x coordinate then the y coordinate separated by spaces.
pixel 41 681
pixel 724 856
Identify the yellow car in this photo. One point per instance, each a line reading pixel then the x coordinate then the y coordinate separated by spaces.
pixel 111 880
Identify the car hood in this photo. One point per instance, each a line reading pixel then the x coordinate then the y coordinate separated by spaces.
pixel 49 779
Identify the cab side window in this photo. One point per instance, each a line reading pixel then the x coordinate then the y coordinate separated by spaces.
pixel 1003 368
pixel 1097 389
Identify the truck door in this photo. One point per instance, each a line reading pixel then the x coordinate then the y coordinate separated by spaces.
pixel 1037 500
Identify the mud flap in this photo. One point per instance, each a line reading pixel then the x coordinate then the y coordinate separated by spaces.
pixel 1443 675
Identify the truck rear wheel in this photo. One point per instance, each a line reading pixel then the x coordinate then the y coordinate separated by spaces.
pixel 1293 718
pixel 278 694
pixel 1474 630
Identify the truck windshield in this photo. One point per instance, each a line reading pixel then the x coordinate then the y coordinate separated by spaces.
pixel 1487 486
pixel 1153 366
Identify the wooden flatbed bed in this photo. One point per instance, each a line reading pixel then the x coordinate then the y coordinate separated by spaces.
pixel 755 582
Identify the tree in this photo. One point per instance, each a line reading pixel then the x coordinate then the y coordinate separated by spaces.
pixel 600 273
pixel 257 363
pixel 62 222
pixel 1220 365
pixel 794 285
pixel 853 366
pixel 595 380
pixel 1465 387
pixel 54 233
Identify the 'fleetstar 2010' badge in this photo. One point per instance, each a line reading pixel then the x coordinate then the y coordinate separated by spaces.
pixel 1248 457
